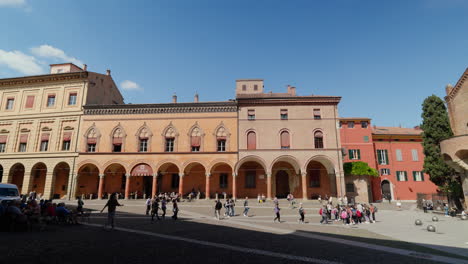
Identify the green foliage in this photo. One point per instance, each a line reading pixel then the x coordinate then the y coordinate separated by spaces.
pixel 359 168
pixel 436 127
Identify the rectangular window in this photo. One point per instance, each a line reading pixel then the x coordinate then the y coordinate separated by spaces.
pixel 366 138
pixel 284 114
pixel 350 187
pixel 251 114
pixel 221 145
pixel 175 181
pixel 314 178
pixel 399 155
pixel 418 176
pixel 414 153
pixel 51 100
pixel 384 171
pixel 255 87
pixel 169 144
pixel 382 156
pixel 72 99
pixel 91 147
pixel 402 176
pixel 66 145
pixel 223 180
pixel 143 145
pixel 2 147
pixel 354 154
pixel 364 124
pixel 29 101
pixel 350 124
pixel 318 142
pixel 195 149
pixel 10 103
pixel 22 147
pixel 317 114
pixel 250 177
pixel 117 148
pixel 44 145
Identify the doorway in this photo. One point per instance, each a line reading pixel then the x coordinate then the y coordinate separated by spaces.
pixel 386 191
pixel 282 184
pixel 147 185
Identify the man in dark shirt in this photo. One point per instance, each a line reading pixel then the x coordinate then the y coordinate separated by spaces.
pixel 111 205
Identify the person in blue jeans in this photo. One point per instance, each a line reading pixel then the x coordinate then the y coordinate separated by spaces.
pixel 446 210
pixel 246 206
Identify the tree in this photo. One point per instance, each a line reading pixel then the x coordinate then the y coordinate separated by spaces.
pixel 436 127
pixel 359 168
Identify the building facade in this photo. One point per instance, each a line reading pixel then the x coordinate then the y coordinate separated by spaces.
pixel 39 125
pixel 455 150
pixel 395 152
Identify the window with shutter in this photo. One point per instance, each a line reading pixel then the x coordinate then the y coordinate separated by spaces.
pixel 30 101
pixel 285 140
pixel 251 140
pixel 414 153
pixel 399 155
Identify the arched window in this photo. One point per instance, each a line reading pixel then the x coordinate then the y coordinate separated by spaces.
pixel 221 138
pixel 318 140
pixel 251 140
pixel 285 144
pixel 170 139
pixel 117 140
pixel 195 139
pixel 143 139
pixel 91 140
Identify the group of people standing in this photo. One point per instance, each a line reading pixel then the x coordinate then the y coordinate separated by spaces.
pixel 229 205
pixel 160 202
pixel 349 214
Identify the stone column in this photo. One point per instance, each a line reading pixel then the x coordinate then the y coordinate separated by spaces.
pixel 181 184
pixel 72 185
pixel 127 186
pixel 101 186
pixel 268 175
pixel 49 185
pixel 304 185
pixel 464 180
pixel 234 186
pixel 340 184
pixel 207 185
pixel 27 181
pixel 155 185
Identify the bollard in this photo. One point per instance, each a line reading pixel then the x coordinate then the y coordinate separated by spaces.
pixel 90 196
pixel 216 196
pixel 431 228
pixel 435 219
pixel 418 222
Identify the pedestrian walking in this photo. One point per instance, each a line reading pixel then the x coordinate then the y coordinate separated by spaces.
pixel 163 207
pixel 373 209
pixel 246 206
pixel 276 202
pixel 231 207
pixel 218 206
pixel 301 213
pixel 148 205
pixel 277 213
pixel 79 208
pixel 111 205
pixel 319 199
pixel 154 209
pixel 175 209
pixel 323 212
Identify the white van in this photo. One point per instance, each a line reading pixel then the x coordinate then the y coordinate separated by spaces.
pixel 9 192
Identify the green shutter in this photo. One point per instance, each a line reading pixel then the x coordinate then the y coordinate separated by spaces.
pixel 422 176
pixel 406 176
pixel 386 157
pixel 350 152
pixel 414 175
pixel 359 154
pixel 398 175
pixel 379 157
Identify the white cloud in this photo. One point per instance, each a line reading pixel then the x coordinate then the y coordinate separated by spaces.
pixel 13 3
pixel 130 86
pixel 20 62
pixel 47 51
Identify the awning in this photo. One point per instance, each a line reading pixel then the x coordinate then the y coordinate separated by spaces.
pixel 142 170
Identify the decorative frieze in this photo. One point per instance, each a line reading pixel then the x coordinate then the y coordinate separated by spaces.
pixel 160 109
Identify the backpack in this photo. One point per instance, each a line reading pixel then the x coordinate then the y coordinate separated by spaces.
pixel 358 213
pixel 344 215
pixel 321 211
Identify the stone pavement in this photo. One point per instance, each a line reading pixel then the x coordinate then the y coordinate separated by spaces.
pixel 392 229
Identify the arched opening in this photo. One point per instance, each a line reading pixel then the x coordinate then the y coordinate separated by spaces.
pixel 88 181
pixel 61 174
pixel 38 179
pixel 220 179
pixel 17 176
pixel 286 179
pixel 319 181
pixel 194 178
pixel 251 179
pixel 168 178
pixel 114 180
pixel 141 181
pixel 386 190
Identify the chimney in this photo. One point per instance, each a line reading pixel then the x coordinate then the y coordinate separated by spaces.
pixel 108 72
pixel 292 90
pixel 85 67
pixel 174 98
pixel 195 99
pixel 448 89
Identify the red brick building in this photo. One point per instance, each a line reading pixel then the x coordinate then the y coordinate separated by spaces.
pixel 396 153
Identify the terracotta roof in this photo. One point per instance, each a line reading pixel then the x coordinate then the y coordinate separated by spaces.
pixel 396 131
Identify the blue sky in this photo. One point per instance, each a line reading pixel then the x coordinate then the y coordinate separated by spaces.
pixel 382 57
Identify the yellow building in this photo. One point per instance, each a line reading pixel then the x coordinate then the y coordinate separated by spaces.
pixel 39 123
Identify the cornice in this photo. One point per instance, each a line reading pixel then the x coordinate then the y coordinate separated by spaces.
pixel 40 79
pixel 303 100
pixel 128 109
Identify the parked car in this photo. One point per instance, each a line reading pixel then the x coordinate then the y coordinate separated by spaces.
pixel 9 192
